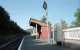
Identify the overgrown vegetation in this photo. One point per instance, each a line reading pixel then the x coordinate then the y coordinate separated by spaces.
pixel 8 26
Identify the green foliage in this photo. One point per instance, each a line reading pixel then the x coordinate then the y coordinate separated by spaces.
pixel 7 26
pixel 76 23
pixel 4 19
pixel 4 16
pixel 77 14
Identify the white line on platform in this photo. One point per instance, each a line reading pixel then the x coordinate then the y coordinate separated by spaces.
pixel 19 48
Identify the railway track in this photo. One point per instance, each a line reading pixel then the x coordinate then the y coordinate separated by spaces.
pixel 12 45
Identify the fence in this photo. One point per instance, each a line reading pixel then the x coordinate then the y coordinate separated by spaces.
pixel 72 36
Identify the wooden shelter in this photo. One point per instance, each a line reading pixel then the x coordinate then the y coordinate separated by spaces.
pixel 42 28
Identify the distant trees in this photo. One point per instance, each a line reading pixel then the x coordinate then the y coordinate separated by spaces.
pixel 64 24
pixel 76 23
pixel 8 26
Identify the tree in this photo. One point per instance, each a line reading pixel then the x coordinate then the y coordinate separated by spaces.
pixel 8 26
pixel 4 16
pixel 76 23
pixel 64 24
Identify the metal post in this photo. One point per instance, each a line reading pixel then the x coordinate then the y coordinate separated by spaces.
pixel 36 32
pixel 62 34
pixel 46 16
pixel 45 7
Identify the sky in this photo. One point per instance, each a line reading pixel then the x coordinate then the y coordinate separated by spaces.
pixel 21 10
